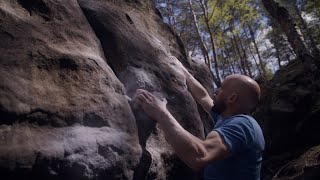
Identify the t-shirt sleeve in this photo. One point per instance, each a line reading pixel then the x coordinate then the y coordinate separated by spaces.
pixel 237 134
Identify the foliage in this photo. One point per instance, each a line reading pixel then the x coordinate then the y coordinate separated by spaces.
pixel 234 36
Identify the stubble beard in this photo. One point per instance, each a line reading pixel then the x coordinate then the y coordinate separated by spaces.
pixel 219 106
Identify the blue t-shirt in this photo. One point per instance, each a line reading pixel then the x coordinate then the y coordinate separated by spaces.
pixel 243 136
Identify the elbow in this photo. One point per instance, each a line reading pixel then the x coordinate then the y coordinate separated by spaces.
pixel 196 165
pixel 195 169
pixel 198 160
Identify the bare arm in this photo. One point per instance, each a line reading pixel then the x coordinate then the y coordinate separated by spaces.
pixel 199 93
pixel 196 153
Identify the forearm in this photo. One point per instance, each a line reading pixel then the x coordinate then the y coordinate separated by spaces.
pixel 196 89
pixel 199 93
pixel 188 147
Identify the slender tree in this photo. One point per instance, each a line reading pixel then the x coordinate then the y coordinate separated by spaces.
pixel 203 46
pixel 287 24
pixel 245 58
pixel 253 39
pixel 204 7
pixel 292 6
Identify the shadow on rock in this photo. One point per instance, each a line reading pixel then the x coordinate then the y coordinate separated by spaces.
pixel 145 127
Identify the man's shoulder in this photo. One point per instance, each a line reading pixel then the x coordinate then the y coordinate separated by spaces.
pixel 245 123
pixel 238 132
pixel 243 116
pixel 244 119
pixel 241 119
pixel 250 125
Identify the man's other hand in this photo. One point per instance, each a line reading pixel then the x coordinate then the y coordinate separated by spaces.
pixel 182 68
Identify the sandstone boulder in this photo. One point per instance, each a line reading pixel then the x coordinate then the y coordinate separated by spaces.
pixel 68 70
pixel 289 116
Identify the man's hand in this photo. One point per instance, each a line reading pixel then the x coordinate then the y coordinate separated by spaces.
pixel 199 93
pixel 194 152
pixel 152 105
pixel 182 68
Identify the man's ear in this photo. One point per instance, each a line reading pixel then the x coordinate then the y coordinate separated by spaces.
pixel 233 97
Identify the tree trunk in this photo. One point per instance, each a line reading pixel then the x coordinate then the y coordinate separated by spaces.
pixel 228 59
pixel 223 66
pixel 278 57
pixel 315 50
pixel 242 65
pixel 205 51
pixel 288 57
pixel 232 67
pixel 215 58
pixel 255 61
pixel 245 58
pixel 235 59
pixel 172 19
pixel 203 45
pixel 253 55
pixel 287 24
pixel 262 67
pixel 233 71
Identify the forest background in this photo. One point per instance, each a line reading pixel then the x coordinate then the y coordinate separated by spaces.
pixel 240 36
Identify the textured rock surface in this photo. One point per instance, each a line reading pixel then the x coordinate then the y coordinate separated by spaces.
pixel 289 109
pixel 307 166
pixel 66 68
pixel 289 115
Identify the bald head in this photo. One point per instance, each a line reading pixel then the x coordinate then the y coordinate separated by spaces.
pixel 246 88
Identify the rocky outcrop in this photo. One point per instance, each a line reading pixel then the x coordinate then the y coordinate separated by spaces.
pixel 290 108
pixel 307 166
pixel 68 70
pixel 289 115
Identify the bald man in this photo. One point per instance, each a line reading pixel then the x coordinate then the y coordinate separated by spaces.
pixel 233 149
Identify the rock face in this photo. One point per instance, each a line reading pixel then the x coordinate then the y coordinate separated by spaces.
pixel 307 166
pixel 290 108
pixel 289 115
pixel 68 69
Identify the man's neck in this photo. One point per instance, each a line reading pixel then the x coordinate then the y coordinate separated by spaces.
pixel 228 113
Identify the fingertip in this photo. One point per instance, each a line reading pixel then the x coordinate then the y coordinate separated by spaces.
pixel 140 91
pixel 137 100
pixel 165 100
